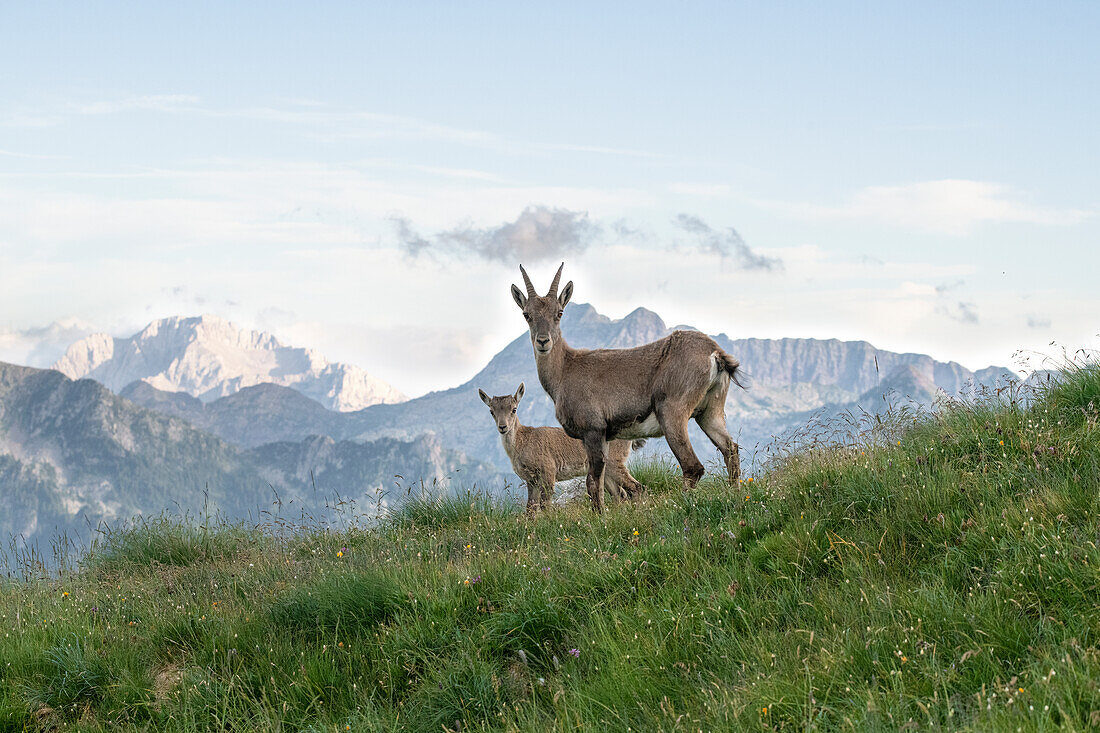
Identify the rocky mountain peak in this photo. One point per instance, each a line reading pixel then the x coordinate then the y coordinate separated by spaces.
pixel 209 357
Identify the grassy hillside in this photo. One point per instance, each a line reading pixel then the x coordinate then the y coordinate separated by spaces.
pixel 944 576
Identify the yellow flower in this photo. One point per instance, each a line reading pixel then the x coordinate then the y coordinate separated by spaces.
pixel 65 594
pixel 339 553
pixel 635 534
pixel 1002 442
pixel 764 710
pixel 1021 689
pixel 899 442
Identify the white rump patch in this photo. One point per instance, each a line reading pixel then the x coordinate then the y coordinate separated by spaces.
pixel 646 428
pixel 718 373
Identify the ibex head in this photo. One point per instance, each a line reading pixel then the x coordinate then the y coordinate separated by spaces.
pixel 503 409
pixel 543 313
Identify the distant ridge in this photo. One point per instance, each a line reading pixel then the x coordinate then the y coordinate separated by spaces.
pixel 208 357
pixel 789 379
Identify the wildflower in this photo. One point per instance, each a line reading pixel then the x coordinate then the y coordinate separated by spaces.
pixel 746 497
pixel 635 534
pixel 1021 689
pixel 65 594
pixel 575 652
pixel 899 442
pixel 1002 442
pixel 339 553
pixel 215 604
pixel 764 710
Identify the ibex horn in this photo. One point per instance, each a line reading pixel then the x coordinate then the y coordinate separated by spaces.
pixel 554 285
pixel 527 281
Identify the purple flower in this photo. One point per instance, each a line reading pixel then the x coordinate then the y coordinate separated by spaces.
pixel 575 652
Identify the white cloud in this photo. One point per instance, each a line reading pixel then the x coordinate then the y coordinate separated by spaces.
pixel 263 202
pixel 701 190
pixel 41 346
pixel 153 102
pixel 318 122
pixel 954 207
pixel 30 156
pixel 426 324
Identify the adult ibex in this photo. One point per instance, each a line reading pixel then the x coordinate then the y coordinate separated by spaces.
pixel 544 456
pixel 644 392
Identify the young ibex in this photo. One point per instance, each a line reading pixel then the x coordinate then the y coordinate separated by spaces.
pixel 544 456
pixel 643 392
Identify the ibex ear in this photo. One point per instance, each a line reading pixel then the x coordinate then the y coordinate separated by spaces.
pixel 484 397
pixel 566 294
pixel 519 297
pixel 519 392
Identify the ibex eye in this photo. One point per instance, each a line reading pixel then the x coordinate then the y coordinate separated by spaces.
pixel 559 313
pixel 513 411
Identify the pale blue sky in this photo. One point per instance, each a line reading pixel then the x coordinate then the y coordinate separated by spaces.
pixel 927 174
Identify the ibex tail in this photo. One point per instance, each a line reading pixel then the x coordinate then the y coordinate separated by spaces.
pixel 732 367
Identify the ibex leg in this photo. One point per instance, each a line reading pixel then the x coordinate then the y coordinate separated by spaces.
pixel 713 423
pixel 595 445
pixel 674 424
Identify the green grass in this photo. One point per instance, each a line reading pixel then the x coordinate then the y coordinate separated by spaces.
pixel 948 578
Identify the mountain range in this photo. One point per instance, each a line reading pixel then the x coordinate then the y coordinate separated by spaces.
pixel 206 412
pixel 788 379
